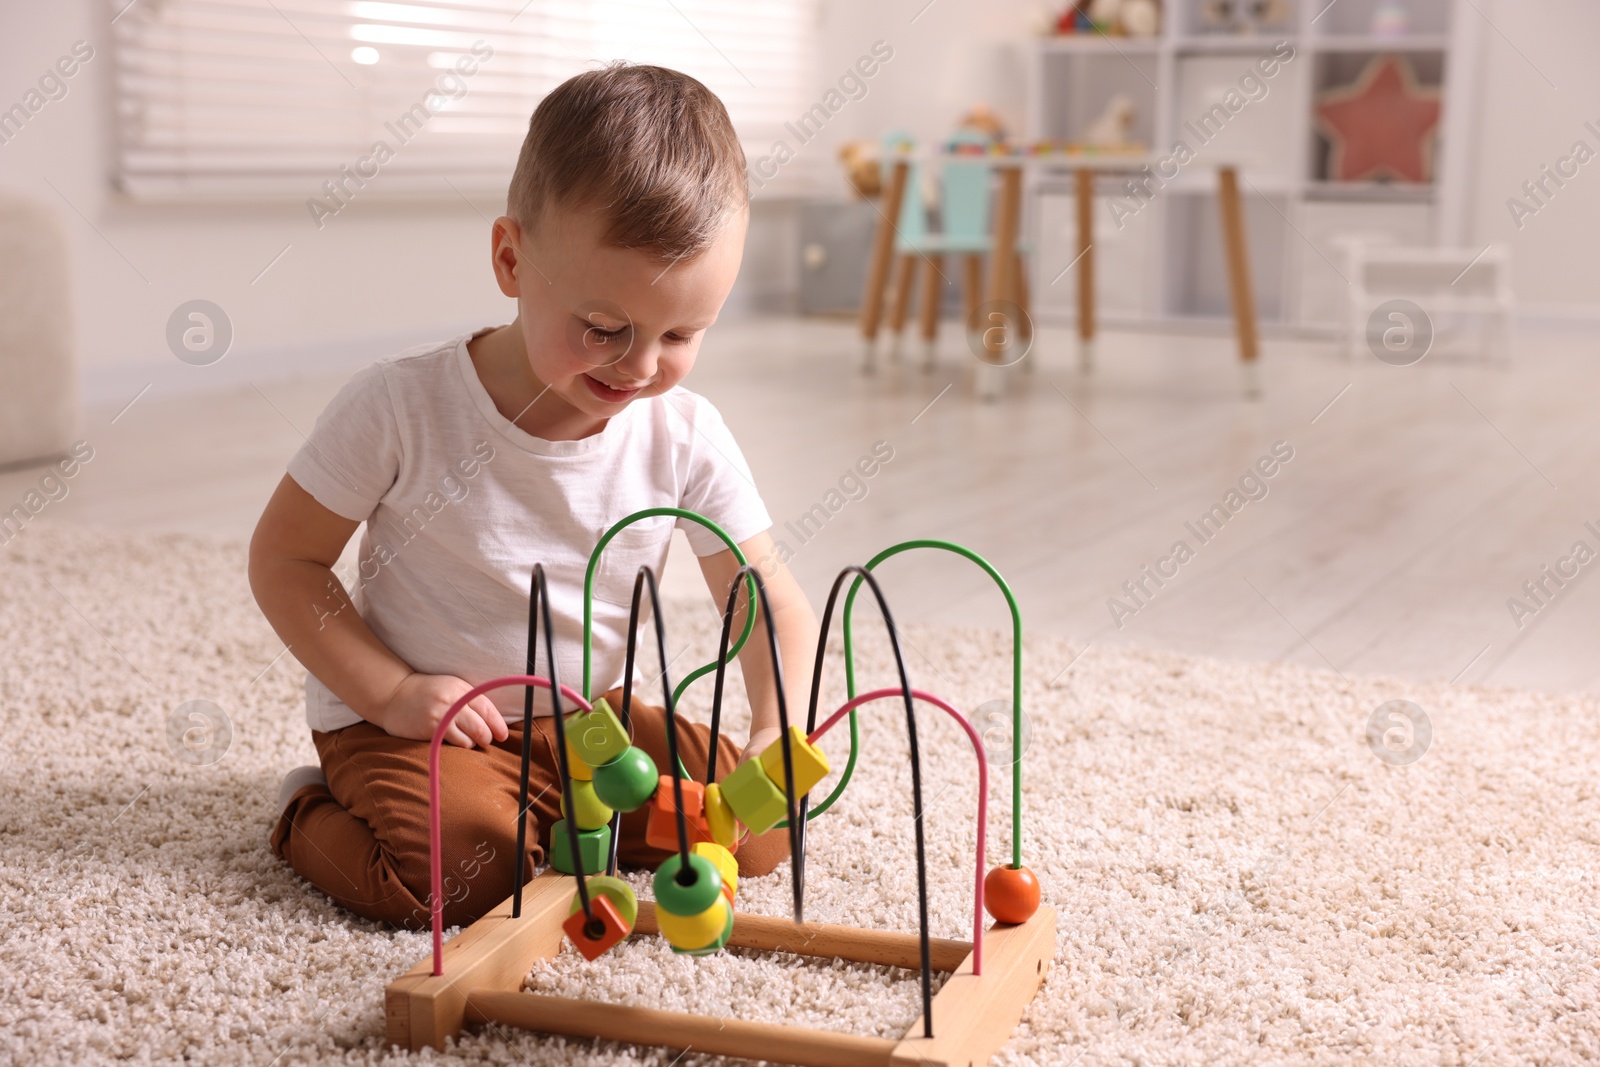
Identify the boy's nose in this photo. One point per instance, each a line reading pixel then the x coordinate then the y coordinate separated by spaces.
pixel 640 362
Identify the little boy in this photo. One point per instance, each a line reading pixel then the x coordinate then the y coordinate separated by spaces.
pixel 472 460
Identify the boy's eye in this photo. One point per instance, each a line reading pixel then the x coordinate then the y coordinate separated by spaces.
pixel 678 339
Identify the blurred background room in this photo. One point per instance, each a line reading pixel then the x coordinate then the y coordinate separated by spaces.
pixel 1080 266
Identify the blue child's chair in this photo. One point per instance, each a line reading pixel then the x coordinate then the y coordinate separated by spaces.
pixel 964 209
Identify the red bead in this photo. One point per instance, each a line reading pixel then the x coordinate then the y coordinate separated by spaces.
pixel 612 928
pixel 1011 894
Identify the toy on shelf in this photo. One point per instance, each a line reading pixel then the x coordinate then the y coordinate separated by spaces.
pixel 1112 131
pixel 992 978
pixel 1245 16
pixel 1112 18
pixel 1382 127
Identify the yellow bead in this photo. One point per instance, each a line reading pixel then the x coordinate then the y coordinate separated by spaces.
pixel 580 771
pixel 810 765
pixel 694 931
pixel 723 861
pixel 719 818
pixel 715 946
pixel 592 812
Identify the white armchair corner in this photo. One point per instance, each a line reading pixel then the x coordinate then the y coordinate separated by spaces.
pixel 38 364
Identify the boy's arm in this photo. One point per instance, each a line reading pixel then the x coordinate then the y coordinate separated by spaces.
pixel 292 553
pixel 796 625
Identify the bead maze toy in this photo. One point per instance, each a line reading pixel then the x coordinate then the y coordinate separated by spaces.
pixel 477 978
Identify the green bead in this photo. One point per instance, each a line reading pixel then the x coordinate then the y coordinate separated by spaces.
pixel 588 810
pixel 617 891
pixel 597 736
pixel 691 899
pixel 754 798
pixel 627 781
pixel 593 845
pixel 715 946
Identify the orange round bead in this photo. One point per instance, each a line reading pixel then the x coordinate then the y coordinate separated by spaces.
pixel 1011 894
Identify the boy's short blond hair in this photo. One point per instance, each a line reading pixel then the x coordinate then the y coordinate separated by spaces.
pixel 652 147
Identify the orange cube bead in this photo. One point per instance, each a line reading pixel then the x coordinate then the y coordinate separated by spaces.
pixel 612 928
pixel 661 831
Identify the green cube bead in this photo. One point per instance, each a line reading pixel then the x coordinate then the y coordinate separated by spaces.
pixel 754 798
pixel 597 736
pixel 593 845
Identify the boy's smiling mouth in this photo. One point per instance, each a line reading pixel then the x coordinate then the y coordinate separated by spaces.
pixel 607 393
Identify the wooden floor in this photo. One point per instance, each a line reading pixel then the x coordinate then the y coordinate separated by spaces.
pixel 1417 502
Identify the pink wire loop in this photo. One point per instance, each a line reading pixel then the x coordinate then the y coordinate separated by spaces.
pixel 983 792
pixel 435 834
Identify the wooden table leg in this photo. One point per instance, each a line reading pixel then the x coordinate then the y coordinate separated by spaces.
pixel 882 255
pixel 900 300
pixel 1085 268
pixel 1025 302
pixel 1002 273
pixel 1233 239
pixel 971 290
pixel 931 294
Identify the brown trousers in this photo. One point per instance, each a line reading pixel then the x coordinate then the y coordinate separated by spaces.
pixel 363 838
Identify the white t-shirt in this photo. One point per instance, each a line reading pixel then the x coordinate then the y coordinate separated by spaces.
pixel 459 504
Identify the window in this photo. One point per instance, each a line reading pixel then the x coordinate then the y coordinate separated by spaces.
pixel 275 98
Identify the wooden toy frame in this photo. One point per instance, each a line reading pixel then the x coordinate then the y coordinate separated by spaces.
pixel 487 962
pixel 478 977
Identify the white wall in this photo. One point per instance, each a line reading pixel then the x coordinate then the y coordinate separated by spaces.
pixel 1528 122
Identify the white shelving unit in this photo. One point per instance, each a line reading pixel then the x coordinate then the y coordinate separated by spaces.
pixel 1164 262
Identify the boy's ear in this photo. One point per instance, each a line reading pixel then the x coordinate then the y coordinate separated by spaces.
pixel 504 239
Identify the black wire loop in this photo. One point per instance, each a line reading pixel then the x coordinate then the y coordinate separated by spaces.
pixel 539 606
pixel 916 764
pixel 790 800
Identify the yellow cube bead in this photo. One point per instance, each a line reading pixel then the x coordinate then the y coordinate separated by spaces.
pixel 810 765
pixel 720 819
pixel 580 771
pixel 694 931
pixel 592 812
pixel 723 861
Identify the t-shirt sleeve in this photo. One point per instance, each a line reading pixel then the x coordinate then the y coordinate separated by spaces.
pixel 719 483
pixel 352 457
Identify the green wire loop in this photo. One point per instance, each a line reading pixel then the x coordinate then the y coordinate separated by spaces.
pixel 588 600
pixel 1016 683
pixel 849 651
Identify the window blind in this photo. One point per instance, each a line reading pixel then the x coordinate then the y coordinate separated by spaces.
pixel 274 98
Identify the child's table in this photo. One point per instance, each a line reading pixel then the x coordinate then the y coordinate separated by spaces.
pixel 1005 283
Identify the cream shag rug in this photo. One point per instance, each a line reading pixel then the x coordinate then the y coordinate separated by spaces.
pixel 1239 879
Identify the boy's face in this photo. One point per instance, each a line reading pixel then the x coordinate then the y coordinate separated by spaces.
pixel 603 326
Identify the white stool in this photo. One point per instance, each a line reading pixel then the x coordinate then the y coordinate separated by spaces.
pixel 1443 282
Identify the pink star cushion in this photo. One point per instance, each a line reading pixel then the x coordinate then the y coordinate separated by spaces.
pixel 1382 126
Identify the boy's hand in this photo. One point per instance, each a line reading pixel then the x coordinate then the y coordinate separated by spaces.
pixel 759 740
pixel 420 701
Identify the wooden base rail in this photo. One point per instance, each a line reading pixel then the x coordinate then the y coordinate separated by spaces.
pixel 485 967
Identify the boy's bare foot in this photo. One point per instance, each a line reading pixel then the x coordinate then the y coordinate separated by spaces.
pixel 297 780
